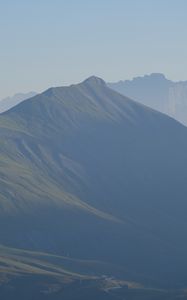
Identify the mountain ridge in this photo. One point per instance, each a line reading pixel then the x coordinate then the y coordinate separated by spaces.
pixel 9 102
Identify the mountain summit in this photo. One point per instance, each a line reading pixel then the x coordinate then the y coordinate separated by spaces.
pixel 94 80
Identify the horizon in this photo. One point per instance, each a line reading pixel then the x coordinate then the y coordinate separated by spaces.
pixel 108 82
pixel 55 44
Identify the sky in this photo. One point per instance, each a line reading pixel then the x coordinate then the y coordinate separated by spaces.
pixel 46 43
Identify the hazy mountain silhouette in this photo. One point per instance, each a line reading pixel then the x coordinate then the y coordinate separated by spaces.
pixel 9 102
pixel 157 92
pixel 89 174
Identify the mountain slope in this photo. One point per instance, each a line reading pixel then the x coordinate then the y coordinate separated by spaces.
pixel 157 92
pixel 90 174
pixel 9 102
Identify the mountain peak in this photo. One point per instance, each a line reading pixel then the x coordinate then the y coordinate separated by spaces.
pixel 94 80
pixel 153 77
pixel 157 76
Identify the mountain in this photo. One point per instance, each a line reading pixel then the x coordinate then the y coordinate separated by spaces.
pixel 89 175
pixel 157 92
pixel 9 102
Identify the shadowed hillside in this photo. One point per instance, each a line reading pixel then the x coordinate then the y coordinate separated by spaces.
pixel 89 174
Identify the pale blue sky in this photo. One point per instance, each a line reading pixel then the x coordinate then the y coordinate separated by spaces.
pixel 46 43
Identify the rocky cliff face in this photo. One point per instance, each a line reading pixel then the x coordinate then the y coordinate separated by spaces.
pixel 157 92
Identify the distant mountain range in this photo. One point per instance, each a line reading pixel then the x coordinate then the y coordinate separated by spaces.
pixel 9 102
pixel 93 185
pixel 157 92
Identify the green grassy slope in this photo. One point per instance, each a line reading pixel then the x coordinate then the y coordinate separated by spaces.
pixel 45 276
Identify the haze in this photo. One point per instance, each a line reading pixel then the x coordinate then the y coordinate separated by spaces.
pixel 50 43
